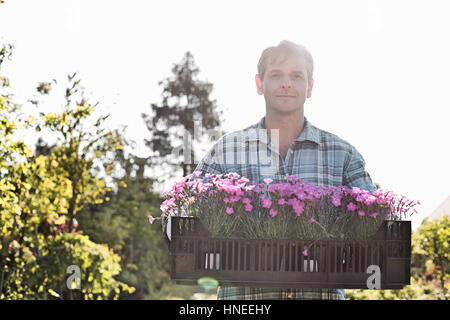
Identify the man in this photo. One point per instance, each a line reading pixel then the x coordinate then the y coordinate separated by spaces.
pixel 285 143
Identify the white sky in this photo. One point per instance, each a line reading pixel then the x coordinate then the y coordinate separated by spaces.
pixel 381 68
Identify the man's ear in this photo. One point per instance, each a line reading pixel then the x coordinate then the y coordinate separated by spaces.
pixel 258 85
pixel 310 86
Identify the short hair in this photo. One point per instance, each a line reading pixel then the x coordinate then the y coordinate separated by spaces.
pixel 284 49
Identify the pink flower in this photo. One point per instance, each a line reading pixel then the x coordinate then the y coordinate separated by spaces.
pixel 266 203
pixel 273 213
pixel 373 215
pixel 282 201
pixel 249 188
pixel 197 173
pixel 311 220
pixel 305 251
pixel 361 213
pixel 298 207
pixel 336 201
pixel 235 198
pixel 369 200
pixel 230 210
pixel 244 180
pixel 355 190
pixel 190 183
pixel 351 206
pixel 151 219
pixel 248 207
pixel 226 200
pixel 246 200
pixel 268 181
pixel 301 195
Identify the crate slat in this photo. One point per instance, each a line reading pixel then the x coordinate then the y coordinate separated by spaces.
pixel 280 263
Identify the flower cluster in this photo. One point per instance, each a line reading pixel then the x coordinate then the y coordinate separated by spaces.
pixel 229 204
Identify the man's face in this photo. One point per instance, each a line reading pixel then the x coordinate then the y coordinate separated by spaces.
pixel 285 85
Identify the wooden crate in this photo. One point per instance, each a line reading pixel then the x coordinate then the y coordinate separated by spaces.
pixel 280 263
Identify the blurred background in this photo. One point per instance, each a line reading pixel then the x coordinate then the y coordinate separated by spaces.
pixel 95 96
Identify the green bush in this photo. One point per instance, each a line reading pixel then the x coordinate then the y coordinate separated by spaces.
pixel 98 265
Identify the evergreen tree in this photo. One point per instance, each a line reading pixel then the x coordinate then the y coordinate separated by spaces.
pixel 185 103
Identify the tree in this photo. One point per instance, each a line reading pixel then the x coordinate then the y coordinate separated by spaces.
pixel 81 147
pixel 40 193
pixel 99 266
pixel 29 196
pixel 84 147
pixel 185 102
pixel 13 256
pixel 432 241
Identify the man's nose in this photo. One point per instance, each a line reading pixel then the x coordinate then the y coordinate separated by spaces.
pixel 286 82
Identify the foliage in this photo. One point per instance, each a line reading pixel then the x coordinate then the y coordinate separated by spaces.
pixel 80 147
pixel 15 192
pixel 41 194
pixel 418 290
pixel 98 264
pixel 185 105
pixel 432 242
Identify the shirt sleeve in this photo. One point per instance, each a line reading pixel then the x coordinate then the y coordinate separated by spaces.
pixel 355 174
pixel 210 162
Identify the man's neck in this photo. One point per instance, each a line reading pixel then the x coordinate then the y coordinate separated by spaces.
pixel 289 126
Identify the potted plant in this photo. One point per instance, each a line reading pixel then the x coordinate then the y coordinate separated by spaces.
pixel 230 206
pixel 293 211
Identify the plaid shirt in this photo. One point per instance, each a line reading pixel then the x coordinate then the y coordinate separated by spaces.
pixel 317 156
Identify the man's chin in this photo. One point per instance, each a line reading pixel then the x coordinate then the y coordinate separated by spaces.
pixel 287 110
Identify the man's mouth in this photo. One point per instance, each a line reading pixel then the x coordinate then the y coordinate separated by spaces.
pixel 285 96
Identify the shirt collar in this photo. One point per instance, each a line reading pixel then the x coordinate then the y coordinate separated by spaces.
pixel 309 133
